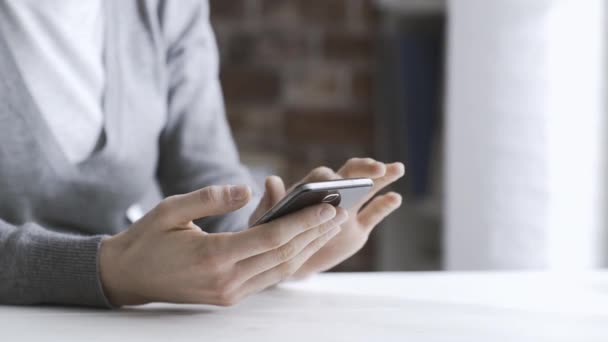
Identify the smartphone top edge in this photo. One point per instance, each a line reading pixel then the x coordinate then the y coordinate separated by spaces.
pixel 337 183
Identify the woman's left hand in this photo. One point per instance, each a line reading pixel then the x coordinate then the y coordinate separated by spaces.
pixel 363 217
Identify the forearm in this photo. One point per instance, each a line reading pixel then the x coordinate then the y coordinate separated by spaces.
pixel 38 266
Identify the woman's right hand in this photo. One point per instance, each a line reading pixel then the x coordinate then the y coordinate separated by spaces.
pixel 165 257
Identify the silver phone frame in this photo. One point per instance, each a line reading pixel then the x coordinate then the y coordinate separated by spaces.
pixel 329 185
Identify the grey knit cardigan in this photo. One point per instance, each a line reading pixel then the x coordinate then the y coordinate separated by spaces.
pixel 165 133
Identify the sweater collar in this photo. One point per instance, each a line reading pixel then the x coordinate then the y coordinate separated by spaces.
pixel 16 100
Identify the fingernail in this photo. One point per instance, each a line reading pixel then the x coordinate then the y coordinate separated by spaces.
pixel 327 212
pixel 401 168
pixel 397 199
pixel 238 192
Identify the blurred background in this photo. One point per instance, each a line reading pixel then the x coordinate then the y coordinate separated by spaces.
pixel 495 107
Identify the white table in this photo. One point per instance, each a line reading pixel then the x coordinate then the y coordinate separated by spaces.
pixel 352 307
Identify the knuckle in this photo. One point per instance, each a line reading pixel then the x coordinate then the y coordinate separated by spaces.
pixel 287 270
pixel 322 171
pixel 286 252
pixel 214 264
pixel 164 209
pixel 274 238
pixel 224 283
pixel 164 206
pixel 309 220
pixel 316 216
pixel 319 243
pixel 203 252
pixel 217 284
pixel 226 298
pixel 210 247
pixel 225 194
pixel 211 194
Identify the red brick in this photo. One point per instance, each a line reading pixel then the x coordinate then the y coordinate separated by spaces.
pixel 315 86
pixel 272 46
pixel 251 126
pixel 362 86
pixel 363 15
pixel 251 85
pixel 345 46
pixel 331 14
pixel 227 9
pixel 298 83
pixel 283 12
pixel 369 13
pixel 280 47
pixel 318 127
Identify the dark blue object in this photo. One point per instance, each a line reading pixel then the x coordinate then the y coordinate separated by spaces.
pixel 421 56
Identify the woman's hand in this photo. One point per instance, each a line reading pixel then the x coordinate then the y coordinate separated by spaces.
pixel 363 217
pixel 165 257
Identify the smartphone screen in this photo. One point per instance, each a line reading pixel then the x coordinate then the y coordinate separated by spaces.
pixel 343 192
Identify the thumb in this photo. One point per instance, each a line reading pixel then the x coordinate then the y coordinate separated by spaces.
pixel 273 192
pixel 209 201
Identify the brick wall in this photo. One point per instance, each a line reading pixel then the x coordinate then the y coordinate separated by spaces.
pixel 297 79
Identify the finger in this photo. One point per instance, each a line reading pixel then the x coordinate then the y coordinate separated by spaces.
pixel 257 264
pixel 379 208
pixel 318 174
pixel 209 201
pixel 362 167
pixel 274 234
pixel 394 171
pixel 275 189
pixel 285 270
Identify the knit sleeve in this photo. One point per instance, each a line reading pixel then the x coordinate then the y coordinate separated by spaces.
pixel 38 266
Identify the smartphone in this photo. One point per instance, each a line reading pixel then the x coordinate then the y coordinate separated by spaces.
pixel 342 192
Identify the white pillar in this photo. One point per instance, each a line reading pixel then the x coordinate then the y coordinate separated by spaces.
pixel 525 173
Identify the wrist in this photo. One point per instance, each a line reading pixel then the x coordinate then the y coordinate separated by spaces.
pixel 112 273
